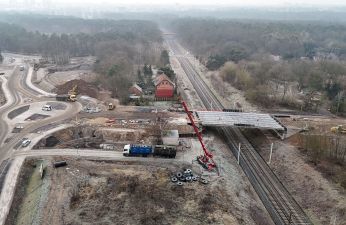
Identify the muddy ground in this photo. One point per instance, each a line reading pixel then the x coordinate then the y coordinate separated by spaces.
pixel 116 127
pixel 91 137
pixel 83 88
pixel 92 192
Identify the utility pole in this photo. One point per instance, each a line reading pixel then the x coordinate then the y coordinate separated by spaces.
pixel 335 217
pixel 219 167
pixel 239 153
pixel 339 97
pixel 271 152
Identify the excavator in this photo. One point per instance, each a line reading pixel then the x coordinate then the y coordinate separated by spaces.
pixel 340 129
pixel 73 91
pixel 70 97
pixel 206 160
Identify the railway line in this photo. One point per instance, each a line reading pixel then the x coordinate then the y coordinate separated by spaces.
pixel 281 206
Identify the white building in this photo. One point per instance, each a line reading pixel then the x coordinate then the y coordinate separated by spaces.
pixel 170 137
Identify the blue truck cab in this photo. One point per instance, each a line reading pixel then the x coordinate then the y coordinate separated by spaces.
pixel 137 150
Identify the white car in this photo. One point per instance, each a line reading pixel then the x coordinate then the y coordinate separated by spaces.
pixel 26 143
pixel 47 108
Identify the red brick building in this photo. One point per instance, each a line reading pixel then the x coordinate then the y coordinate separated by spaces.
pixel 164 87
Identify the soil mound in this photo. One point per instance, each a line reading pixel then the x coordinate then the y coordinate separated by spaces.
pixel 84 88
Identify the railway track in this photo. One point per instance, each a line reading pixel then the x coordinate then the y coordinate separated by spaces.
pixel 281 206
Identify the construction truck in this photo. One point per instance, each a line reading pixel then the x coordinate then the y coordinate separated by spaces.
pixel 111 106
pixel 147 150
pixel 340 129
pixel 66 98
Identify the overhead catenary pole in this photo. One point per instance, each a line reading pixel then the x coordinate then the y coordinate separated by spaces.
pixel 239 146
pixel 271 152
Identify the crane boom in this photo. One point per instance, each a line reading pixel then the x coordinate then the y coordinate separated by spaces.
pixel 207 159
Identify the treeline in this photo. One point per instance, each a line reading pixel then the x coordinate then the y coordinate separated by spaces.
pixel 294 65
pixel 270 83
pixel 17 39
pixel 118 46
pixel 218 41
pixel 50 24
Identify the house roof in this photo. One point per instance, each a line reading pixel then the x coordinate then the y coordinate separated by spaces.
pixel 137 87
pixel 161 78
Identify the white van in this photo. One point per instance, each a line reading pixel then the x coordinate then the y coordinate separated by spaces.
pixel 47 108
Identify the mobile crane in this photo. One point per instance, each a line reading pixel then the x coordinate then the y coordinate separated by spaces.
pixel 205 160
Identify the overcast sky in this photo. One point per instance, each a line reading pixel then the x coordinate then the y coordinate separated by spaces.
pixel 189 2
pixel 219 2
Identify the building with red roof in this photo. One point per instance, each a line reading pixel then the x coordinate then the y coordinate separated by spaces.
pixel 136 90
pixel 164 87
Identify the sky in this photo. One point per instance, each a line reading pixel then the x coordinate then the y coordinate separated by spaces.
pixel 191 2
pixel 219 2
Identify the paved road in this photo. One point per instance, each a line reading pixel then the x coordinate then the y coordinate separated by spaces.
pixel 16 88
pixel 87 153
pixel 13 99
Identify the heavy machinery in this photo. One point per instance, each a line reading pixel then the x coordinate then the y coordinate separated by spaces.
pixel 111 106
pixel 66 98
pixel 340 129
pixel 205 160
pixel 73 91
pixel 70 97
pixel 146 150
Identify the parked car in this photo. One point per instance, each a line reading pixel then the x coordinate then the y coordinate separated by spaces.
pixel 26 143
pixel 47 108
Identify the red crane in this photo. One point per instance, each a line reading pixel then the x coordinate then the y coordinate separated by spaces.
pixel 205 160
